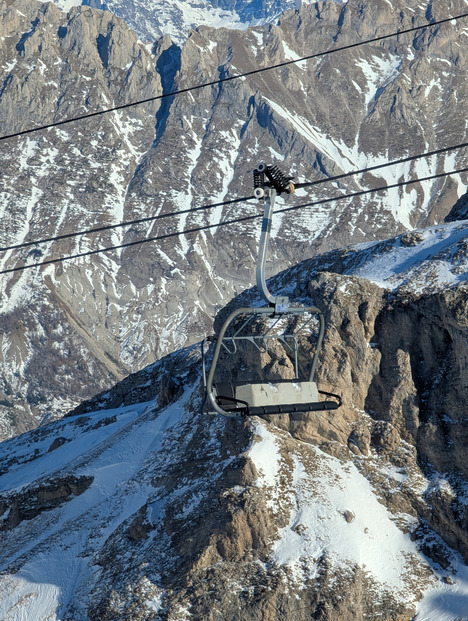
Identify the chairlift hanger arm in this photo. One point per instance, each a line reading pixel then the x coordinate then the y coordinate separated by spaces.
pixel 262 252
pixel 269 181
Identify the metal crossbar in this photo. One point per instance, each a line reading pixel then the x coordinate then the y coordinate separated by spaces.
pixel 276 332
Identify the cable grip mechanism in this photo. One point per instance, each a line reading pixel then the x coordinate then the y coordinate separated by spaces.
pixel 266 177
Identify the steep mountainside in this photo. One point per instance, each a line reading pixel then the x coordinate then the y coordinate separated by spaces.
pixel 71 329
pixel 138 506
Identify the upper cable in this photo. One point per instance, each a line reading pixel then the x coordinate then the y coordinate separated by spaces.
pixel 232 77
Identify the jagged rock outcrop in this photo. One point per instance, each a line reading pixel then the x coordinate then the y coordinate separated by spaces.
pixel 459 211
pixel 403 361
pixel 249 519
pixel 44 497
pixel 70 330
pixel 174 513
pixel 60 65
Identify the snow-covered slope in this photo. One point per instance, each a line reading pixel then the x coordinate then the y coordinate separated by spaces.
pixel 86 499
pixel 421 262
pixel 139 506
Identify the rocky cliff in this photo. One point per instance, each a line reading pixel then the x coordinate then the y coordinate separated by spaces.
pixel 70 330
pixel 138 506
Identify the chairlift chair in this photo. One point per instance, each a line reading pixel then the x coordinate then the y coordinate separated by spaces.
pixel 262 327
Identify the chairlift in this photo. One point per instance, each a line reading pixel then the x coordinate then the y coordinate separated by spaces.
pixel 279 325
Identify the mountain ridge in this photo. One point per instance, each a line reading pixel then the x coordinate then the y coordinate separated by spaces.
pixel 177 19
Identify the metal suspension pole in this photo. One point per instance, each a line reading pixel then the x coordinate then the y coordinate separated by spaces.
pixel 263 246
pixel 280 303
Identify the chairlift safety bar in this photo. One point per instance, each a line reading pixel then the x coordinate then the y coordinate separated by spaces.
pixel 267 311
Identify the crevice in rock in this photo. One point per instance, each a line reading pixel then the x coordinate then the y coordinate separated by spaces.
pixel 46 496
pixel 167 65
pixel 26 35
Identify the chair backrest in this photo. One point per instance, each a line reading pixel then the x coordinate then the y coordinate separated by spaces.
pixel 277 393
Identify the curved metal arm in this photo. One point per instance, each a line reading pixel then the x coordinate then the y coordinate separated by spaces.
pixel 280 303
pixel 219 341
pixel 263 247
pixel 277 184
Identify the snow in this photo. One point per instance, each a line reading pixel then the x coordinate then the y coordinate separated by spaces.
pixel 66 5
pixel 379 73
pixel 9 66
pixel 23 600
pixel 115 455
pixel 27 152
pixel 320 498
pixel 401 201
pixel 446 602
pixel 183 198
pixel 322 491
pixel 430 259
pixel 347 159
pixel 227 152
pixel 276 155
pixel 290 54
pixel 264 453
pixel 258 37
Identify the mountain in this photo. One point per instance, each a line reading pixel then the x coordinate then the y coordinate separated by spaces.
pixel 138 506
pixel 69 330
pixel 152 20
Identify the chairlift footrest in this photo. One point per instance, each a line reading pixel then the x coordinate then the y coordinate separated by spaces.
pixel 320 406
pixel 244 410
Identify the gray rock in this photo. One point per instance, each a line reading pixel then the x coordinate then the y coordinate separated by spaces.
pixel 71 329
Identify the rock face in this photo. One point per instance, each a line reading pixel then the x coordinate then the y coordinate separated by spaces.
pixel 404 362
pixel 173 514
pixel 459 211
pixel 98 59
pixel 71 329
pixel 45 497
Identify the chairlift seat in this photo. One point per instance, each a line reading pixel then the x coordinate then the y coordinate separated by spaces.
pixel 276 397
